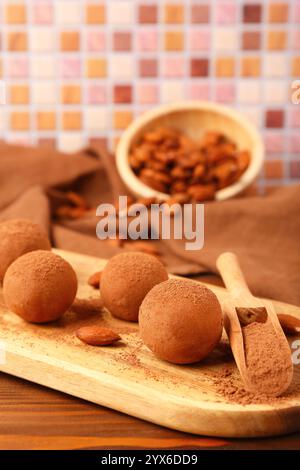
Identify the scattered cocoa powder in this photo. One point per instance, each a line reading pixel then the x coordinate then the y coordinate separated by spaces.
pixel 232 389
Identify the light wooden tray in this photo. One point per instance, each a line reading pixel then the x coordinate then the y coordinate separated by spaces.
pixel 130 379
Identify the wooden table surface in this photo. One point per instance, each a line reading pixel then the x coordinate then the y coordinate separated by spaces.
pixel 34 417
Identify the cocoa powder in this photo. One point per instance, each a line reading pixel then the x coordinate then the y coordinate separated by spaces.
pixel 231 388
pixel 263 355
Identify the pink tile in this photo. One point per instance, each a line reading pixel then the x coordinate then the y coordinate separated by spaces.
pixel 274 142
pixel 295 39
pixel 70 67
pixel 148 68
pixel 42 12
pixel 294 143
pixel 17 68
pixel 97 94
pixel 173 67
pixel 294 118
pixel 199 91
pixel 147 41
pixel 225 92
pixel 199 40
pixel 295 169
pixel 122 41
pixel 147 93
pixel 95 41
pixel 226 12
pixel 297 11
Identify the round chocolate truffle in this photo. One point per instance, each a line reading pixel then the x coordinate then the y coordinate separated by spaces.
pixel 17 237
pixel 180 321
pixel 39 286
pixel 125 281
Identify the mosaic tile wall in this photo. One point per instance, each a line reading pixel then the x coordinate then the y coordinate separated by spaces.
pixel 80 70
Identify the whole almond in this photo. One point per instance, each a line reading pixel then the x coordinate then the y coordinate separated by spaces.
pixel 97 335
pixel 94 279
pixel 289 324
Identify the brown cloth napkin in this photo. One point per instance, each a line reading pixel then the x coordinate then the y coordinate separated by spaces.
pixel 263 231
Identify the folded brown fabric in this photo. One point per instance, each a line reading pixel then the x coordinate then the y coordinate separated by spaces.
pixel 262 231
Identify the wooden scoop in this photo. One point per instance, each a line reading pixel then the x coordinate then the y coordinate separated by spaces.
pixel 272 371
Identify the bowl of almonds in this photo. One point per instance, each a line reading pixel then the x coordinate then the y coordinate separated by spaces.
pixel 189 151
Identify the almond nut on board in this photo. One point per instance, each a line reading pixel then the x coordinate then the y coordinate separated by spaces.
pixel 94 279
pixel 97 335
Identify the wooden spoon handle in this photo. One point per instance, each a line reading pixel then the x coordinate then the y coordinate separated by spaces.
pixel 229 268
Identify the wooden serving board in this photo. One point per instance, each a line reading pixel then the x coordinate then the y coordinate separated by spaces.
pixel 128 378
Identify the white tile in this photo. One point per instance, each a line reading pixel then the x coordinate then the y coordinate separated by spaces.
pixel 225 39
pixel 275 65
pixel 249 91
pixel 70 142
pixel 121 67
pixel 44 93
pixel 275 92
pixel 172 91
pixel 96 119
pixel 42 40
pixel 253 114
pixel 2 120
pixel 67 12
pixel 120 12
pixel 43 67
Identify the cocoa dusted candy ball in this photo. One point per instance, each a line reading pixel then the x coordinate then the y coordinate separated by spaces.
pixel 125 281
pixel 17 237
pixel 39 286
pixel 180 321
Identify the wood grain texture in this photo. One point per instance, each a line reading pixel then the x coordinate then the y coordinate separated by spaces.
pixel 129 379
pixel 35 417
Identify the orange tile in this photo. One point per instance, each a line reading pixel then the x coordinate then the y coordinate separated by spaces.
pixel 295 67
pixel 19 94
pixel 278 12
pixel 225 67
pixel 174 41
pixel 15 13
pixel 46 120
pixel 250 67
pixel 274 169
pixel 71 94
pixel 122 119
pixel 71 120
pixel 95 14
pixel 276 40
pixel 69 41
pixel 174 13
pixel 19 121
pixel 96 68
pixel 17 42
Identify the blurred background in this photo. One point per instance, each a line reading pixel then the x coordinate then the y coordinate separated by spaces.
pixel 78 71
